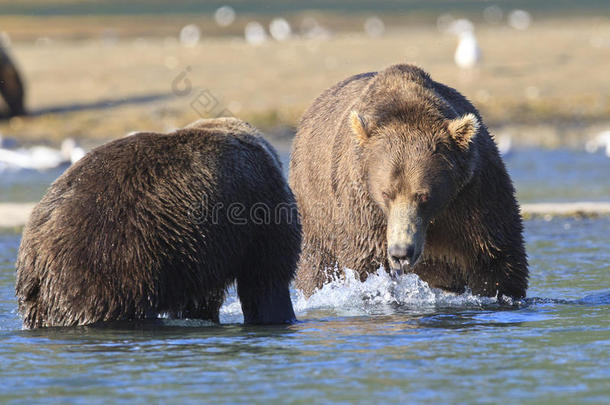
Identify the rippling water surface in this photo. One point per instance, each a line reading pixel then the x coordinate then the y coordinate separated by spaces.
pixel 381 341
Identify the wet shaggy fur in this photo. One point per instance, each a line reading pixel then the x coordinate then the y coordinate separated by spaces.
pixel 377 137
pixel 161 224
pixel 11 86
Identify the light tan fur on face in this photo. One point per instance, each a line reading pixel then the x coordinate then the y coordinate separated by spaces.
pixel 464 129
pixel 405 228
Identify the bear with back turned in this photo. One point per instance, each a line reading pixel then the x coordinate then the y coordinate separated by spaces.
pixel 162 224
pixel 394 169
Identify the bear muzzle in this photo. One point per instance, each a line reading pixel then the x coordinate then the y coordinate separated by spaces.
pixel 406 232
pixel 402 258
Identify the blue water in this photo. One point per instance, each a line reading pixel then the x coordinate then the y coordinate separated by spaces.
pixel 381 341
pixel 559 175
pixel 356 342
pixel 539 176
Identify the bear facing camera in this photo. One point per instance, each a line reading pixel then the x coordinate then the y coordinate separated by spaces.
pixel 394 169
pixel 163 224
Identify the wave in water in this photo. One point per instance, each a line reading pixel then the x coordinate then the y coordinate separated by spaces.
pixel 379 293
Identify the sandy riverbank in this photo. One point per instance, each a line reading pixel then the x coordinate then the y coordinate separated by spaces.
pixel 545 86
pixel 16 215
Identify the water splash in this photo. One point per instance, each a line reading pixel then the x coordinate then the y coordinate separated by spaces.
pixel 379 293
pixel 230 312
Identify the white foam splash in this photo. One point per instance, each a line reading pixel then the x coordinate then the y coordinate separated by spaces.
pixel 380 292
pixel 230 311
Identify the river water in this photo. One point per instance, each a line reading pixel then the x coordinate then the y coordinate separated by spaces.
pixel 379 341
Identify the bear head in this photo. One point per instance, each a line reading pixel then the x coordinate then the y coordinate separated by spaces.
pixel 415 161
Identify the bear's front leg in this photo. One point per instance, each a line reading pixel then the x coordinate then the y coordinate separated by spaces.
pixel 264 303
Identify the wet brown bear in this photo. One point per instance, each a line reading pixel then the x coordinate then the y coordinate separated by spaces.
pixel 163 223
pixel 11 86
pixel 392 168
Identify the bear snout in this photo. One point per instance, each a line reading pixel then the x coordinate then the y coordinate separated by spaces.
pixel 402 256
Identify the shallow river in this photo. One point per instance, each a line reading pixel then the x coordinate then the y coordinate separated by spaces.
pixel 380 341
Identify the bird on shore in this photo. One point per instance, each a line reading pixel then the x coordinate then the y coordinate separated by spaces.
pixel 602 140
pixel 467 54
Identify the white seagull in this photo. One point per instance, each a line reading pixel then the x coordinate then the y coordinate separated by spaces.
pixel 600 141
pixel 467 54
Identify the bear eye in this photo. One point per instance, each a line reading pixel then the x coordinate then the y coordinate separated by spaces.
pixel 385 195
pixel 422 198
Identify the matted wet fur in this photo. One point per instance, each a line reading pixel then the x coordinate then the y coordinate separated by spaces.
pixel 392 168
pixel 140 227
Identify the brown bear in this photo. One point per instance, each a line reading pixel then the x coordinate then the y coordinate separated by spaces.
pixel 393 169
pixel 11 85
pixel 162 224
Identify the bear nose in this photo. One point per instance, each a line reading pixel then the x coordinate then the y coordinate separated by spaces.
pixel 401 253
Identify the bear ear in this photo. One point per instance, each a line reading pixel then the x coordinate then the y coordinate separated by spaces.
pixel 464 129
pixel 358 124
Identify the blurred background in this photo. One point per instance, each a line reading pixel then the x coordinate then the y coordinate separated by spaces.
pixel 76 74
